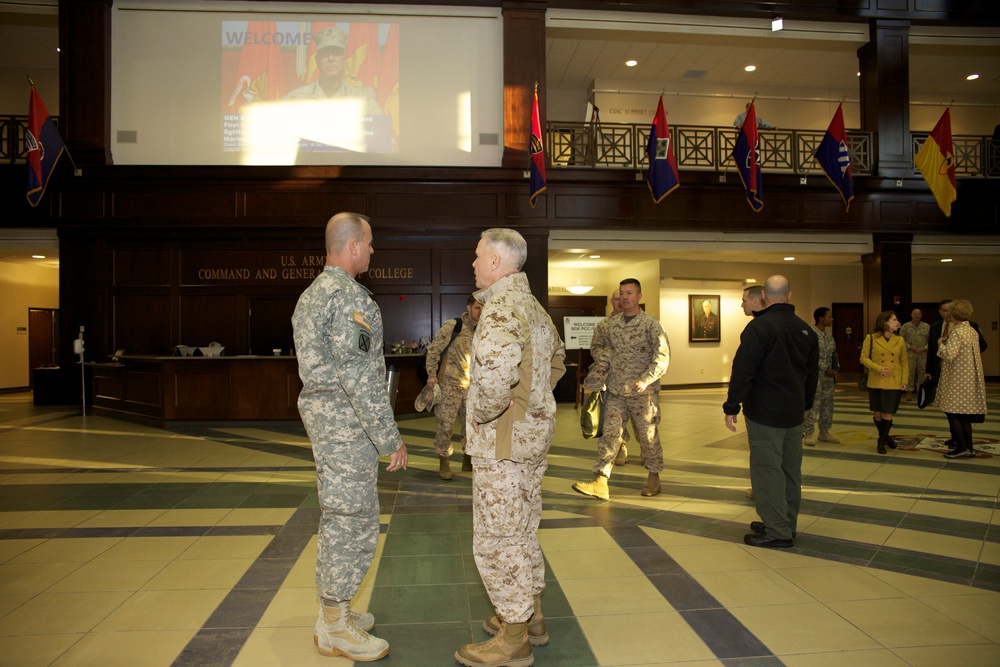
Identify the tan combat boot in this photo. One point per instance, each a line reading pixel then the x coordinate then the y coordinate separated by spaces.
pixel 444 468
pixel 824 436
pixel 538 634
pixel 622 457
pixel 652 484
pixel 360 620
pixel 509 648
pixel 598 488
pixel 339 636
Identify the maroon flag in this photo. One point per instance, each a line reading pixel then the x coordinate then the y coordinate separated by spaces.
pixel 45 147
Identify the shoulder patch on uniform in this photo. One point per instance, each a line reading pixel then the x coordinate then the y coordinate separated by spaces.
pixel 360 318
pixel 364 342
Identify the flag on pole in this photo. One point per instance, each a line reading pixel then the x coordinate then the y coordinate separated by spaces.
pixel 663 178
pixel 747 158
pixel 936 161
pixel 835 159
pixel 45 147
pixel 537 151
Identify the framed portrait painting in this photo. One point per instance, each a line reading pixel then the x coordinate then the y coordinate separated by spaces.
pixel 704 324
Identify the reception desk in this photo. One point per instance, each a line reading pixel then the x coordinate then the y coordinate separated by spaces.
pixel 164 389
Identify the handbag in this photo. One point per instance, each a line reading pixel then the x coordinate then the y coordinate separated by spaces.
pixel 592 416
pixel 863 379
pixel 926 393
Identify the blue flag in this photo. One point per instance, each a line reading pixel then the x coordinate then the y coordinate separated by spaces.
pixel 45 147
pixel 663 178
pixel 835 158
pixel 747 158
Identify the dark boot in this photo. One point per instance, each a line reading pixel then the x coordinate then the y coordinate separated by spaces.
pixel 889 442
pixel 881 442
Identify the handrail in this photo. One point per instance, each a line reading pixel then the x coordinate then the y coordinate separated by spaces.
pixel 696 147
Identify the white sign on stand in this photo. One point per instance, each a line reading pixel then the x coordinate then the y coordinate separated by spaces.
pixel 579 331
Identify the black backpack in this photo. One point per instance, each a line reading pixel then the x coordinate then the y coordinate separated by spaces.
pixel 422 361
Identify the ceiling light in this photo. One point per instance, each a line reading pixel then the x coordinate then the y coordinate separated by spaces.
pixel 631 63
pixel 579 289
pixel 38 257
pixel 859 73
pixel 594 256
pixel 777 24
pixel 750 280
pixel 749 68
pixel 972 77
pixel 789 259
pixel 946 259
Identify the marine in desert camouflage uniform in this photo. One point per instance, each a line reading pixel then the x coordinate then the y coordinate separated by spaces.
pixel 600 348
pixel 640 354
pixel 517 358
pixel 346 413
pixel 451 374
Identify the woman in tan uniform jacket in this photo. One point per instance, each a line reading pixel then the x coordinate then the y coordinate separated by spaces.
pixel 884 355
pixel 961 392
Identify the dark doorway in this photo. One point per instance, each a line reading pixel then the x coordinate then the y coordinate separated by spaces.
pixel 849 332
pixel 270 324
pixel 43 339
pixel 577 361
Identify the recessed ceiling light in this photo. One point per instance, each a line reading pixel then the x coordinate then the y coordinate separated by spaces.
pixel 948 259
pixel 777 24
pixel 750 68
pixel 631 63
pixel 594 256
pixel 972 77
pixel 38 257
pixel 859 73
pixel 789 259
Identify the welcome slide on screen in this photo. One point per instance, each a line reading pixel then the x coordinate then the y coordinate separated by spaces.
pixel 309 86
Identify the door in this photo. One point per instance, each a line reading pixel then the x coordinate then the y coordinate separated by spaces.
pixel 43 339
pixel 577 361
pixel 849 333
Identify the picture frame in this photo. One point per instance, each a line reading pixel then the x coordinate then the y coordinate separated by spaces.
pixel 704 318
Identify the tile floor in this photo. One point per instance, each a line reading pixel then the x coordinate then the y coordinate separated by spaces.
pixel 123 544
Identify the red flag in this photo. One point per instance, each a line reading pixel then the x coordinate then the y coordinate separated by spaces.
pixel 361 54
pixel 747 158
pixel 936 161
pixel 260 75
pixel 663 177
pixel 834 157
pixel 388 78
pixel 537 151
pixel 45 147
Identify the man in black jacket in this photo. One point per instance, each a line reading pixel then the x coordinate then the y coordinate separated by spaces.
pixel 774 378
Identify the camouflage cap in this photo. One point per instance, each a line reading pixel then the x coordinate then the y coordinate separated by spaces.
pixel 330 37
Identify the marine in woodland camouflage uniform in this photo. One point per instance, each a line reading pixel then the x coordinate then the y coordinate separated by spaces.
pixel 823 403
pixel 345 408
pixel 451 375
pixel 640 354
pixel 517 358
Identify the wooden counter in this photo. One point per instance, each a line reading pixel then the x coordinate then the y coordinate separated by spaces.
pixel 243 388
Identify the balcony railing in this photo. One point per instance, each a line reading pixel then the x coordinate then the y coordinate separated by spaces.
pixel 705 148
pixel 696 147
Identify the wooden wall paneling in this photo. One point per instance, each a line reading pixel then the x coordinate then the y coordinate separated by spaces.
pixel 141 323
pixel 172 203
pixel 308 204
pixel 134 267
pixel 207 318
pixel 432 201
pixel 269 324
pixel 523 66
pixel 270 390
pixel 405 317
pixel 141 390
pixel 85 80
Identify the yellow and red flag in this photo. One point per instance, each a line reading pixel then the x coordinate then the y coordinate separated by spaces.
pixel 260 76
pixel 388 80
pixel 362 55
pixel 936 161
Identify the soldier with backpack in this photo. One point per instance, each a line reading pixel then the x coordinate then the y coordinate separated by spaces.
pixel 447 365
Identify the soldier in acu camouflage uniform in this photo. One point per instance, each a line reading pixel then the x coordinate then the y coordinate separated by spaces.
pixel 640 354
pixel 517 358
pixel 823 403
pixel 451 373
pixel 346 413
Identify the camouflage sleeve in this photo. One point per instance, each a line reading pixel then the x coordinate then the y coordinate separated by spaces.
pixel 360 368
pixel 558 365
pixel 434 350
pixel 498 354
pixel 600 344
pixel 661 357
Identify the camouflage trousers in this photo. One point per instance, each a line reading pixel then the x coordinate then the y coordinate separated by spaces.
pixel 451 405
pixel 347 479
pixel 918 368
pixel 822 407
pixel 644 411
pixel 506 510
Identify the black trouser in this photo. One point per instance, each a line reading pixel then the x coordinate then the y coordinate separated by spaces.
pixel 961 430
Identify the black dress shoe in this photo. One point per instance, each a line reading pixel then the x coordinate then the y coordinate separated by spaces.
pixel 961 454
pixel 759 528
pixel 765 540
